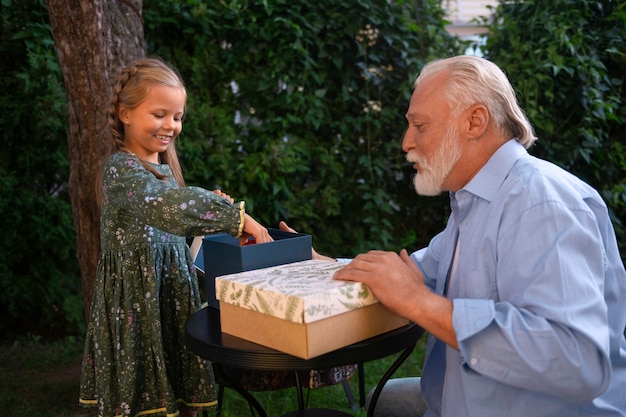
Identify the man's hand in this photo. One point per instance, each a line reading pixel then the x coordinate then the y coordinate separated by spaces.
pixel 397 282
pixel 285 228
pixel 393 279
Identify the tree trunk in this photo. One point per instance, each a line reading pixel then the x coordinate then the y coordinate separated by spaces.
pixel 94 39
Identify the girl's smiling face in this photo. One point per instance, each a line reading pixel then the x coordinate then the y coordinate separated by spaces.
pixel 151 127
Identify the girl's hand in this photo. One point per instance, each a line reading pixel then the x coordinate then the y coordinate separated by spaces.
pixel 223 194
pixel 252 228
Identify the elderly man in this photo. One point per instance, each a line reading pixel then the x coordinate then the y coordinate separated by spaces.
pixel 523 294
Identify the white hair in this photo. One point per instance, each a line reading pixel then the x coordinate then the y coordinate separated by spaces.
pixel 476 80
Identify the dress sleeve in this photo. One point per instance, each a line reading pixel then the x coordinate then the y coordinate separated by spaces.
pixel 183 211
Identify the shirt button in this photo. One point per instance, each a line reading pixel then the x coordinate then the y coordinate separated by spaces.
pixel 474 361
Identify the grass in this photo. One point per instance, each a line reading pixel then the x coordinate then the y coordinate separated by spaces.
pixel 41 379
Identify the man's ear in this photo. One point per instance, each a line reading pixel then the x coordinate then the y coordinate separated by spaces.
pixel 478 120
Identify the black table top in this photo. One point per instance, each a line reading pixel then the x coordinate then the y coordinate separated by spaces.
pixel 205 338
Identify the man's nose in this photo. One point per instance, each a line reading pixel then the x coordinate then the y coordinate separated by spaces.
pixel 406 141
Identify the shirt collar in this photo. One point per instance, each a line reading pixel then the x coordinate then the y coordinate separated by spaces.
pixel 487 181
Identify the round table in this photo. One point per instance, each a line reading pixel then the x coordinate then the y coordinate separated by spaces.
pixel 204 337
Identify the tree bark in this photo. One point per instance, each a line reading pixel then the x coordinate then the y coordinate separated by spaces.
pixel 94 39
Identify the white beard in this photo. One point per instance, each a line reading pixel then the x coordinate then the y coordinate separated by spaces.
pixel 432 174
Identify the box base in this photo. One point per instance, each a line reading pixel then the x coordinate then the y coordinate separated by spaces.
pixel 308 340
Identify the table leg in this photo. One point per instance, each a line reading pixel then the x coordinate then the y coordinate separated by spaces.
pixel 299 388
pixel 253 402
pixel 361 371
pixel 379 387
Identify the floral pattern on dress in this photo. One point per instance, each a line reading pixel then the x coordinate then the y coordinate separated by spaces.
pixel 135 360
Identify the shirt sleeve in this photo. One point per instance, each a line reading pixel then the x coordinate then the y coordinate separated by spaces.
pixel 548 330
pixel 183 211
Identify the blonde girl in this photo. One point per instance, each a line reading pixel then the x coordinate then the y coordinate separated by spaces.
pixel 135 360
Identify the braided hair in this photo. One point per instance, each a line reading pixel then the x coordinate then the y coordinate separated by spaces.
pixel 130 90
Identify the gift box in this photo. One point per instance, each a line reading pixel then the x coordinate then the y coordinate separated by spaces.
pixel 223 254
pixel 300 309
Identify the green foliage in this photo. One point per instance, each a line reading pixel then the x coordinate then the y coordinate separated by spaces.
pixel 39 285
pixel 567 61
pixel 298 108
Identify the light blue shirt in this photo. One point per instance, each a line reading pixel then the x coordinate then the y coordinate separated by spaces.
pixel 539 297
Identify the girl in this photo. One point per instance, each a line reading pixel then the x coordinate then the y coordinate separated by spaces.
pixel 135 360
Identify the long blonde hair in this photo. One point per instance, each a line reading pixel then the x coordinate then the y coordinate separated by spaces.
pixel 130 90
pixel 477 80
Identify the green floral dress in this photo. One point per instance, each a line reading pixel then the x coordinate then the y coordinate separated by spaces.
pixel 135 360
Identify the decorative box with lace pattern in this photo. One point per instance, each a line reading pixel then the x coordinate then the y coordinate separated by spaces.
pixel 298 308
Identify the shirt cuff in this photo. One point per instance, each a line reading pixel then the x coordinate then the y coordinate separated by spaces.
pixel 470 316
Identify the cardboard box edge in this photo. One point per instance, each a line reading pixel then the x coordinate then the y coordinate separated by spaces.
pixel 307 341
